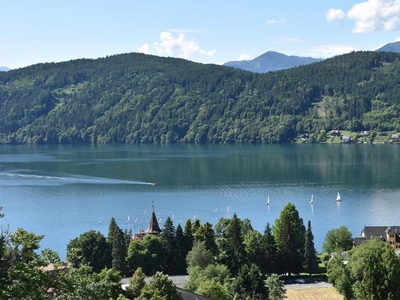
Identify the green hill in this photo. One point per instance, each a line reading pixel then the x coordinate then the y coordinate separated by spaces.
pixel 137 98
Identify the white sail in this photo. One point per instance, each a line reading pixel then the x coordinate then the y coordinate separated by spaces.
pixel 338 199
pixel 312 199
pixel 267 203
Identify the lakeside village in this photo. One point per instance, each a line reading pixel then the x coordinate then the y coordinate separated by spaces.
pixel 348 137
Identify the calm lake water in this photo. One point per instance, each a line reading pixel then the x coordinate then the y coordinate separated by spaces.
pixel 63 191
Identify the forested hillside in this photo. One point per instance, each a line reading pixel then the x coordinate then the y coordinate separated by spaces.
pixel 137 98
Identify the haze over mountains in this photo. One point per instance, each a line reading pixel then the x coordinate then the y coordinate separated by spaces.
pixel 271 61
pixel 4 69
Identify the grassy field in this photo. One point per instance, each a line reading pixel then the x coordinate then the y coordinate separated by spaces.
pixel 325 293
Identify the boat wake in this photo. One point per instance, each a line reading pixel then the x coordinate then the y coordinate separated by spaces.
pixel 68 179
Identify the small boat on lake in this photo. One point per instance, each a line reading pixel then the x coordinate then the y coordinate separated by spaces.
pixel 338 199
pixel 312 199
pixel 267 203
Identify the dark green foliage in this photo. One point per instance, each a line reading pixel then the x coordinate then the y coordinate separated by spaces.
pixel 147 254
pixel 180 252
pixel 117 241
pixel 90 248
pixel 168 241
pixel 249 282
pixel 137 98
pixel 234 253
pixel 310 256
pixel 289 233
pixel 271 252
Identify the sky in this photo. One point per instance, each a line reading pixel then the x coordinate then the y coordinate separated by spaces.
pixel 218 31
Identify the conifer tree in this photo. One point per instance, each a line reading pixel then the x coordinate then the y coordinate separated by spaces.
pixel 168 240
pixel 271 254
pixel 119 252
pixel 180 251
pixel 235 253
pixel 310 258
pixel 111 231
pixel 289 234
pixel 136 284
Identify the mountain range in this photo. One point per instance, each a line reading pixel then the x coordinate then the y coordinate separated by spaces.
pixel 138 98
pixel 4 69
pixel 274 61
pixel 271 61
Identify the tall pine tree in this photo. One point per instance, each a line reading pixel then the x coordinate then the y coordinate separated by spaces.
pixel 168 241
pixel 310 258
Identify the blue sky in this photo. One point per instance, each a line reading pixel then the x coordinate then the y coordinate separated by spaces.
pixel 204 31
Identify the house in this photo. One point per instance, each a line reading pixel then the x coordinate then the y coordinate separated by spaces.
pixel 346 139
pixel 389 234
pixel 335 132
pixel 153 228
pixel 363 133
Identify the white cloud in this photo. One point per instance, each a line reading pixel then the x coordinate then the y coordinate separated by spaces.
pixel 144 49
pixel 272 21
pixel 286 40
pixel 371 15
pixel 335 15
pixel 179 46
pixel 326 51
pixel 397 39
pixel 244 57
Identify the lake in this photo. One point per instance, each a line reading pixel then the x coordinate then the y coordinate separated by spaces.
pixel 62 191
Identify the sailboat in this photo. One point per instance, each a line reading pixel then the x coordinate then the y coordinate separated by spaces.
pixel 267 203
pixel 338 199
pixel 312 199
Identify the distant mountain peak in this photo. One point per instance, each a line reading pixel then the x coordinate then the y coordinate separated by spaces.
pixel 390 47
pixel 4 69
pixel 271 61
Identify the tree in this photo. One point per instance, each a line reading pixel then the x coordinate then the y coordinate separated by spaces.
pixel 254 245
pixel 271 254
pixel 213 290
pixel 136 284
pixel 168 241
pixel 22 267
pixel 310 257
pixel 249 283
pixel 289 233
pixel 233 246
pixel 147 254
pixel 338 240
pixel 180 250
pixel 160 287
pixel 119 252
pixel 276 290
pixel 205 233
pixel 372 272
pixel 90 248
pixel 214 272
pixel 199 256
pixel 83 283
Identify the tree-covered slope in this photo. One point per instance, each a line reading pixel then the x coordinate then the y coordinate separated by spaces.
pixel 132 98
